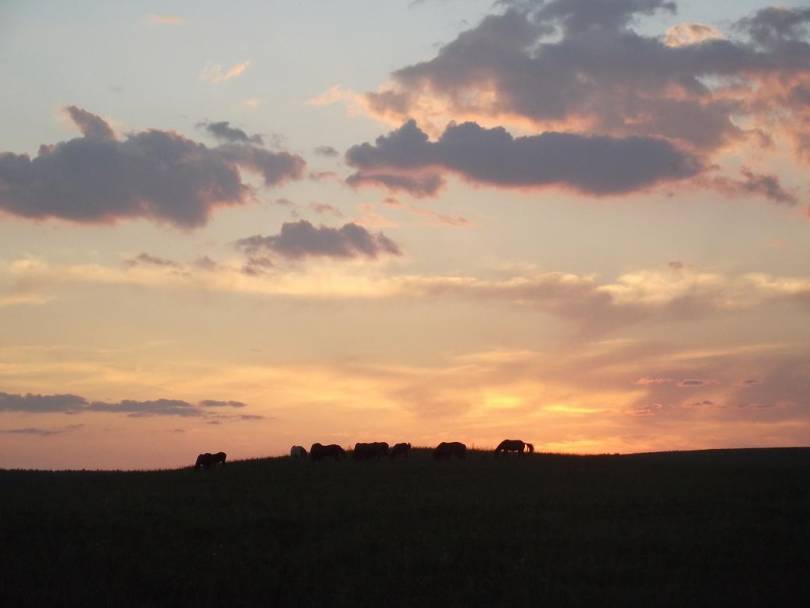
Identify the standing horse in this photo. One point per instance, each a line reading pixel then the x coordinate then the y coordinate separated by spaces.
pixel 400 449
pixel 319 452
pixel 370 451
pixel 298 452
pixel 207 460
pixel 449 449
pixel 513 445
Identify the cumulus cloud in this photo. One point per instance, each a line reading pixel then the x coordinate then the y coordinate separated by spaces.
pixel 223 131
pixel 302 239
pixel 159 175
pixel 575 72
pixel 74 404
pixel 597 165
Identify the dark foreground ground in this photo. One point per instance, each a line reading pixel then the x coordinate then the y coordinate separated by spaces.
pixel 695 528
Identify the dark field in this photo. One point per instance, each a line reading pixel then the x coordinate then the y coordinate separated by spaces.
pixel 694 528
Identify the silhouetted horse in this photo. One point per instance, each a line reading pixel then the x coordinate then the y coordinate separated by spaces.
pixel 298 452
pixel 400 449
pixel 319 452
pixel 370 451
pixel 207 460
pixel 447 450
pixel 513 445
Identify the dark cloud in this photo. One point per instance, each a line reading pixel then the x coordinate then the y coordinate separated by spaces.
pixel 597 165
pixel 577 65
pixel 775 26
pixel 40 432
pixel 328 151
pixel 41 404
pixel 91 126
pixel 152 174
pixel 213 403
pixel 321 208
pixel 145 259
pixel 301 239
pixel 225 132
pixel 416 185
pixel 765 185
pixel 74 404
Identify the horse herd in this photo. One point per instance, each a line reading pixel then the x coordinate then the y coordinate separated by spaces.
pixel 377 450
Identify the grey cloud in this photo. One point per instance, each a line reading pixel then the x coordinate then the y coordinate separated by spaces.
pixel 152 174
pixel 596 165
pixel 74 404
pixel 774 26
pixel 322 208
pixel 41 404
pixel 40 432
pixel 579 64
pixel 145 259
pixel 766 185
pixel 89 124
pixel 223 131
pixel 416 185
pixel 301 239
pixel 328 151
pixel 214 403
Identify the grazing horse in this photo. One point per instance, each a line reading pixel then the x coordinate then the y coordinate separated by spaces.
pixel 400 449
pixel 298 452
pixel 370 451
pixel 318 452
pixel 207 461
pixel 447 450
pixel 513 445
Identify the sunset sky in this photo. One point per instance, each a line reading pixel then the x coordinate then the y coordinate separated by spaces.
pixel 245 225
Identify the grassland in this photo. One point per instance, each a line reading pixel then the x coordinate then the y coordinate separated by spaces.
pixel 677 529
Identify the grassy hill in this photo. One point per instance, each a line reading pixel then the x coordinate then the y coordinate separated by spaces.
pixel 727 527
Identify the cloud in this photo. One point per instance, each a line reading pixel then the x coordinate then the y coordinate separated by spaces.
pixel 90 125
pixel 684 34
pixel 165 19
pixel 765 185
pixel 327 151
pixel 40 432
pixel 223 131
pixel 213 403
pixel 322 208
pixel 158 175
pixel 597 165
pixel 214 73
pixel 145 259
pixel 74 404
pixel 571 72
pixel 426 184
pixel 301 239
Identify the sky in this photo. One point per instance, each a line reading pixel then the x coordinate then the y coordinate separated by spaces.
pixel 247 225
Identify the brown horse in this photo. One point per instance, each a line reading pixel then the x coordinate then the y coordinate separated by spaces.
pixel 447 450
pixel 400 449
pixel 320 452
pixel 370 451
pixel 207 461
pixel 513 445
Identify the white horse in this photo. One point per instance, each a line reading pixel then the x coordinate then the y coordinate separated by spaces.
pixel 298 452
